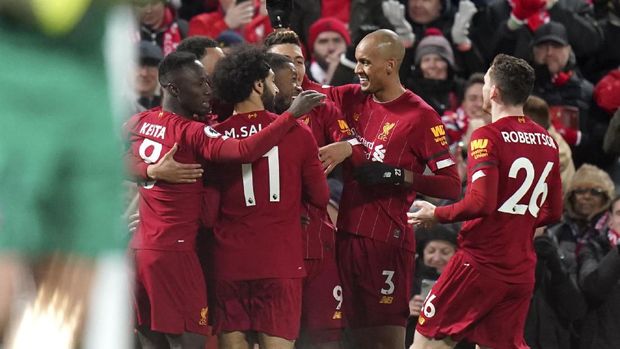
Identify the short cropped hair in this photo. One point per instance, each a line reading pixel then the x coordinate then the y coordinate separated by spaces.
pixel 277 62
pixel 514 77
pixel 173 63
pixel 196 45
pixel 235 74
pixel 280 37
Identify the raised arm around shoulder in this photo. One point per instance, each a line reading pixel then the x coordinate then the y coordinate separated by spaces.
pixel 223 149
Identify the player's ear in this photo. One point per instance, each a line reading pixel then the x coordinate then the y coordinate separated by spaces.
pixel 390 66
pixel 494 93
pixel 172 89
pixel 259 86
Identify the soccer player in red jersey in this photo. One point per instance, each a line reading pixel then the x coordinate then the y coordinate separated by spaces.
pixel 402 136
pixel 321 323
pixel 170 295
pixel 513 187
pixel 257 249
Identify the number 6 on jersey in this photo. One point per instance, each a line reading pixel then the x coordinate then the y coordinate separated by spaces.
pixel 512 206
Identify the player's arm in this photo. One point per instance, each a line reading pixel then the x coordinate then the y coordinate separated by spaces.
pixel 428 141
pixel 314 182
pixel 343 144
pixel 166 169
pixel 443 184
pixel 481 195
pixel 221 148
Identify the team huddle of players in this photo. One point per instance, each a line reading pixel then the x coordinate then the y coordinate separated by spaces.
pixel 236 239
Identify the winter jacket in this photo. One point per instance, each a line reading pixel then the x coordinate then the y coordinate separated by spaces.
pixel 599 276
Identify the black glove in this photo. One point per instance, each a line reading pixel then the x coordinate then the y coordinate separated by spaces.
pixel 379 173
pixel 547 251
pixel 279 13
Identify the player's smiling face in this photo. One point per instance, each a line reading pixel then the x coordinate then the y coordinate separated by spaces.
pixel 286 81
pixel 370 67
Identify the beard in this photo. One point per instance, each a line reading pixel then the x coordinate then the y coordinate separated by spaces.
pixel 268 100
pixel 281 104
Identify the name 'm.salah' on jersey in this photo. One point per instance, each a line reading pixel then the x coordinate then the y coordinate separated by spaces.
pixel 258 231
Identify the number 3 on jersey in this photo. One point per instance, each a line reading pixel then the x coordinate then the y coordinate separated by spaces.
pixel 512 206
pixel 273 165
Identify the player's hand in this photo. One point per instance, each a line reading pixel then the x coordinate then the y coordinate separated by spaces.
pixel 239 14
pixel 333 154
pixel 133 222
pixel 374 172
pixel 415 305
pixel 168 170
pixel 425 214
pixel 462 20
pixel 305 102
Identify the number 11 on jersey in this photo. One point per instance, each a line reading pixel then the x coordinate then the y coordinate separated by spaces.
pixel 273 165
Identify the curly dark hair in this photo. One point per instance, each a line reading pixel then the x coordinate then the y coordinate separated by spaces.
pixel 235 74
pixel 514 77
pixel 196 45
pixel 173 63
pixel 280 37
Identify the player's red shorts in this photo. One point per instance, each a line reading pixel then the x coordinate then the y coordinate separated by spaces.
pixel 170 294
pixel 321 315
pixel 271 306
pixel 467 305
pixel 376 281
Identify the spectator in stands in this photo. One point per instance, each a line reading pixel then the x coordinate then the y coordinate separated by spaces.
pixel 538 110
pixel 434 77
pixel 159 24
pixel 508 26
pixel 611 142
pixel 557 301
pixel 247 18
pixel 435 247
pixel 457 123
pixel 608 56
pixel 587 198
pixel 560 83
pixel 328 40
pixel 599 276
pixel 147 84
pixel 228 39
pixel 453 23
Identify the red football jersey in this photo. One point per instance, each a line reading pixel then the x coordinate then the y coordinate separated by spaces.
pixel 258 232
pixel 327 125
pixel 170 213
pixel 405 132
pixel 517 163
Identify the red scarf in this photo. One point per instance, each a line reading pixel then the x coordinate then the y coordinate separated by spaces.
pixel 172 34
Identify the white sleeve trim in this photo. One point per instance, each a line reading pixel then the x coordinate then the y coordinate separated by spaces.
pixel 477 175
pixel 444 163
